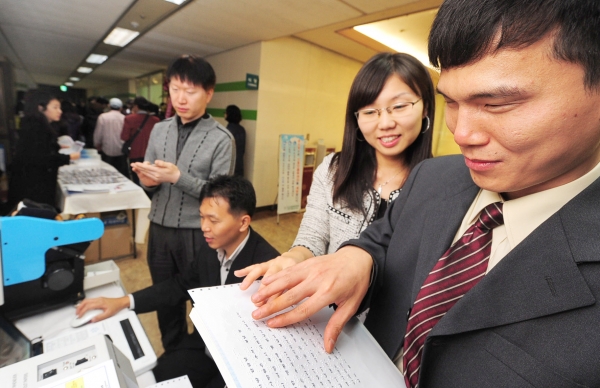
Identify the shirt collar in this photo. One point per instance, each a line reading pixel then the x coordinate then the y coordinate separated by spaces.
pixel 221 252
pixel 523 215
pixel 191 123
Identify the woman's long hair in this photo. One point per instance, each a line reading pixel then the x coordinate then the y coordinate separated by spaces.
pixel 34 100
pixel 356 165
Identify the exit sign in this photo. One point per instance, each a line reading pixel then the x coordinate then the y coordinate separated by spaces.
pixel 251 82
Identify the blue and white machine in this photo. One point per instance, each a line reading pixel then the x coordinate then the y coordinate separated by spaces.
pixel 41 262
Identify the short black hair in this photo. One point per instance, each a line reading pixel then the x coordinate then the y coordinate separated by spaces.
pixel 192 69
pixel 466 30
pixel 234 114
pixel 141 103
pixel 237 190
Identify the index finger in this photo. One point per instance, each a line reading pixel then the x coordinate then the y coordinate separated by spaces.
pixel 251 273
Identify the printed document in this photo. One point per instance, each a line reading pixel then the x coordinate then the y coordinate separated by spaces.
pixel 250 354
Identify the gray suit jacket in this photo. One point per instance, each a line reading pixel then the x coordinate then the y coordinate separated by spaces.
pixel 532 321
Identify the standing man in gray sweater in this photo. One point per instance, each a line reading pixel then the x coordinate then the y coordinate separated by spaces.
pixel 183 153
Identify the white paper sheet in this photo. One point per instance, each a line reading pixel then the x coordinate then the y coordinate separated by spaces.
pixel 100 376
pixel 250 354
pixel 179 382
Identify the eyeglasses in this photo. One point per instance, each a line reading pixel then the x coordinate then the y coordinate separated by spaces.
pixel 397 111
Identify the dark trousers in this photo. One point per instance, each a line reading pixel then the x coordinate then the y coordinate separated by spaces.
pixel 118 162
pixel 189 358
pixel 171 252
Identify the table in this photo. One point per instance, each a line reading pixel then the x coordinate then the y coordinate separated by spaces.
pixel 78 203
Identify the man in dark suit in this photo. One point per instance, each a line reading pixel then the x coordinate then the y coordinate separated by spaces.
pixel 227 207
pixel 521 81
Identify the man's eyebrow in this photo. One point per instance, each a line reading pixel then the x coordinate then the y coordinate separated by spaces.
pixel 499 92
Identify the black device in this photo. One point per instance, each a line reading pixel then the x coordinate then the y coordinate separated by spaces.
pixel 60 285
pixel 15 346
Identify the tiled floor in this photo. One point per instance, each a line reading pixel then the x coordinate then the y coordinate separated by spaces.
pixel 136 276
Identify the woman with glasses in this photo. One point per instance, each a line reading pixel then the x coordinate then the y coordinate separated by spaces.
pixel 388 131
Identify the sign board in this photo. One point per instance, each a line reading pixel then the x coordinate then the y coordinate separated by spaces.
pixel 291 163
pixel 251 82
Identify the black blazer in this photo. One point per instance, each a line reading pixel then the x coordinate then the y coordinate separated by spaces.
pixel 34 169
pixel 204 272
pixel 532 321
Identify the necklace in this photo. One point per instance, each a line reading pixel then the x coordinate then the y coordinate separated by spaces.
pixel 381 185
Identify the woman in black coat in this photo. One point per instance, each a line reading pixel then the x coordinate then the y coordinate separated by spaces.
pixel 36 161
pixel 233 115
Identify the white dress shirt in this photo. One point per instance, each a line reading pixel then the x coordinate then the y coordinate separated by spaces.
pixel 226 263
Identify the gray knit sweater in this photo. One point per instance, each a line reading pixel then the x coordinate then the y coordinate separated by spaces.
pixel 208 151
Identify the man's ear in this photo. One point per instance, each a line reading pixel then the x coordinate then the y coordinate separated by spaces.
pixel 245 222
pixel 209 94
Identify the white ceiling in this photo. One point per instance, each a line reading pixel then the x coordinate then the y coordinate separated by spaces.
pixel 47 39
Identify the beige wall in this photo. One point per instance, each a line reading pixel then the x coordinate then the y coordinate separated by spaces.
pixel 303 90
pixel 232 66
pixel 443 140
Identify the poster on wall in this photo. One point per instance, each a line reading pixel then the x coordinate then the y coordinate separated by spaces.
pixel 291 163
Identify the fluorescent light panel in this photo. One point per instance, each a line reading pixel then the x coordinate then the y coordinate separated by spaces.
pixel 392 41
pixel 74 79
pixel 120 37
pixel 69 83
pixel 96 58
pixel 178 2
pixel 84 70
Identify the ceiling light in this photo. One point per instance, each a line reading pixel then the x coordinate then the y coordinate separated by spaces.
pixel 178 2
pixel 120 37
pixel 74 79
pixel 392 41
pixel 96 58
pixel 85 70
pixel 69 83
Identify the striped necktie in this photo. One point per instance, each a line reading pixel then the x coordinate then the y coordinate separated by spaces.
pixel 459 269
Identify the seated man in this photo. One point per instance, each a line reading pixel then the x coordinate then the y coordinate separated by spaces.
pixel 227 207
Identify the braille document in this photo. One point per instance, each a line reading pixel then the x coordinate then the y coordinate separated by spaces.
pixel 251 354
pixel 179 382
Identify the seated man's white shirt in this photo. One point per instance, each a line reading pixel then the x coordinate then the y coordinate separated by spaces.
pixel 226 263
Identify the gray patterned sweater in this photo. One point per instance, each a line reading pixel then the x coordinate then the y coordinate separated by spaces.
pixel 208 151
pixel 325 225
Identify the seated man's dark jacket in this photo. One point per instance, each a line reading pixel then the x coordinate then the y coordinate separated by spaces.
pixel 532 321
pixel 204 272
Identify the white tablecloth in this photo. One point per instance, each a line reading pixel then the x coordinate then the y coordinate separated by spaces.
pixel 77 203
